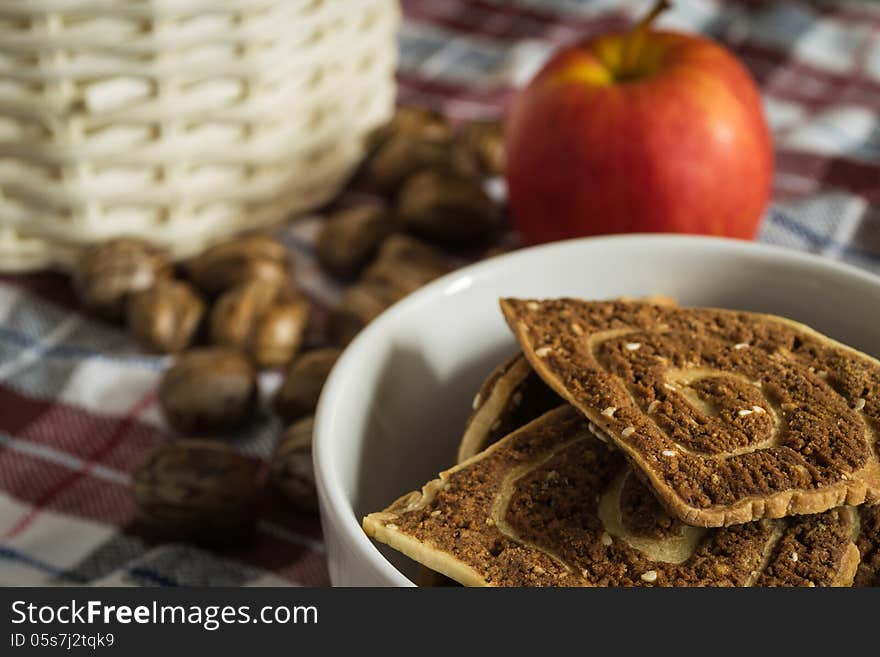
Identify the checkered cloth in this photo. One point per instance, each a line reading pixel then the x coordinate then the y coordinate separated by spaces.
pixel 78 401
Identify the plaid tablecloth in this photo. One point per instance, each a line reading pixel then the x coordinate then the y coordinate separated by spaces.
pixel 78 401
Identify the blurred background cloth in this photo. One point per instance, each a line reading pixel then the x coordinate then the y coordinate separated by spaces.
pixel 77 399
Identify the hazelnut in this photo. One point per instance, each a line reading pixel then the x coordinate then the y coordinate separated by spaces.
pixel 291 469
pixel 208 389
pixel 107 273
pixel 239 260
pixel 360 305
pixel 400 157
pixel 406 264
pixel 303 381
pixel 402 266
pixel 414 122
pixel 349 238
pixel 485 140
pixel 261 319
pixel 447 208
pixel 165 317
pixel 279 333
pixel 237 310
pixel 197 489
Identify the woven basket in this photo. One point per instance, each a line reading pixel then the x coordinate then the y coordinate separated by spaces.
pixel 182 121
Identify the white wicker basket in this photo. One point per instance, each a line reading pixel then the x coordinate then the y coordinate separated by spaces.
pixel 182 121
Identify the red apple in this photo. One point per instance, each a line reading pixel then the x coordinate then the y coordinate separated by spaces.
pixel 644 131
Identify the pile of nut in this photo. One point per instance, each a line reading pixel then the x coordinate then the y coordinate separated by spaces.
pixel 236 309
pixel 431 181
pixel 225 315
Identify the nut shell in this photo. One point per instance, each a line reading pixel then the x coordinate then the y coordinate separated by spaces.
pixel 360 305
pixel 247 258
pixel 351 237
pixel 406 263
pixel 279 333
pixel 261 319
pixel 237 310
pixel 303 381
pixel 401 157
pixel 165 317
pixel 291 469
pixel 402 266
pixel 208 389
pixel 447 209
pixel 414 122
pixel 197 489
pixel 107 273
pixel 485 140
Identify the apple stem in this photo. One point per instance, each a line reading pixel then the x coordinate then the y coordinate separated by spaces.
pixel 659 7
pixel 635 39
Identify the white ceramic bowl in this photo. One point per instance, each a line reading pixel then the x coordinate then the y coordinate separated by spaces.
pixel 393 409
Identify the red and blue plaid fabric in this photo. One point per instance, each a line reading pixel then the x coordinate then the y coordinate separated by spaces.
pixel 78 400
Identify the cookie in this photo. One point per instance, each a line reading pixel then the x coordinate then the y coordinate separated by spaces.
pixel 730 416
pixel 553 505
pixel 868 542
pixel 512 396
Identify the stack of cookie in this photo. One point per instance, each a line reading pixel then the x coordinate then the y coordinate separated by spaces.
pixel 642 444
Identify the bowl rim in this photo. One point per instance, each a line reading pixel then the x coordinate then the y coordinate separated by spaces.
pixel 338 507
